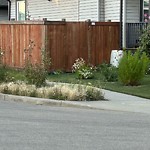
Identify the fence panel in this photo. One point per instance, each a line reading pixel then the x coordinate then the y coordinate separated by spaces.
pixel 55 45
pixel 65 42
pixel 72 40
pixel 134 31
pixel 15 38
pixel 104 37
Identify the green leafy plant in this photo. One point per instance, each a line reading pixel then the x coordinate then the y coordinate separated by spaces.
pixel 57 72
pixel 109 72
pixel 2 52
pixel 2 74
pixel 148 69
pixel 3 71
pixel 35 74
pixel 132 67
pixel 144 41
pixel 82 70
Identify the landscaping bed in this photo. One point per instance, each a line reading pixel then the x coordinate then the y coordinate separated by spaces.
pixel 142 90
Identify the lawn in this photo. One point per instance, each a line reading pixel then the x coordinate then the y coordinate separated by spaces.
pixel 142 90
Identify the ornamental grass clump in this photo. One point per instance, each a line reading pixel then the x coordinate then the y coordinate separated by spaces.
pixel 82 70
pixel 59 91
pixel 18 88
pixel 132 67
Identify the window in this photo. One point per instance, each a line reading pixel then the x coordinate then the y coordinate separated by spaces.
pixel 21 10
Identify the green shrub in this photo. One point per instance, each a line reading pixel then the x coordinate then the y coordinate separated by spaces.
pixel 82 70
pixel 35 74
pixel 2 74
pixel 109 72
pixel 144 41
pixel 132 68
pixel 2 52
pixel 148 69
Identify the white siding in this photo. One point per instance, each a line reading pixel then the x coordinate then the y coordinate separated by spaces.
pixel 80 10
pixel 53 10
pixel 3 14
pixel 88 9
pixel 13 12
pixel 133 10
pixel 112 10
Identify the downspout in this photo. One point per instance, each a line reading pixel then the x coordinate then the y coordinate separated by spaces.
pixel 121 8
pixel 141 11
pixel 149 11
pixel 9 9
pixel 124 23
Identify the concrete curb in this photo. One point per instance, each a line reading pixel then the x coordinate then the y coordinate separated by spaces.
pixel 115 102
pixel 42 101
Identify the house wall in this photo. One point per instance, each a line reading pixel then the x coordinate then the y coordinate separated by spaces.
pixel 133 11
pixel 88 10
pixel 80 10
pixel 3 14
pixel 112 10
pixel 71 10
pixel 13 9
pixel 52 10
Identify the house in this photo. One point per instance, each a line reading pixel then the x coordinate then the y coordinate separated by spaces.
pixel 3 10
pixel 123 11
pixel 74 10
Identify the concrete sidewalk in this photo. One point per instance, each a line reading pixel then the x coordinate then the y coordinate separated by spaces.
pixel 114 101
pixel 121 102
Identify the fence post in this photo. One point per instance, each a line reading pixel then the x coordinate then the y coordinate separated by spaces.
pixel 89 40
pixel 65 67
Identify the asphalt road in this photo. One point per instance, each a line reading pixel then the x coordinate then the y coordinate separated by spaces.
pixel 32 127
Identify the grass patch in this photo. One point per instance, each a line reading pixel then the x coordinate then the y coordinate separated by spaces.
pixel 142 90
pixel 10 74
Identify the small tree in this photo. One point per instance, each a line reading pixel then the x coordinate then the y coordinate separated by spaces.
pixel 36 73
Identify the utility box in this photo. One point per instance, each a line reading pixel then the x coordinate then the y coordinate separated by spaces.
pixel 115 57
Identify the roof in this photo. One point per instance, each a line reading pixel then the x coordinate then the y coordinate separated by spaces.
pixel 3 3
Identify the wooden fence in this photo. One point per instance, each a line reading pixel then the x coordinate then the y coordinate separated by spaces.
pixel 65 42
